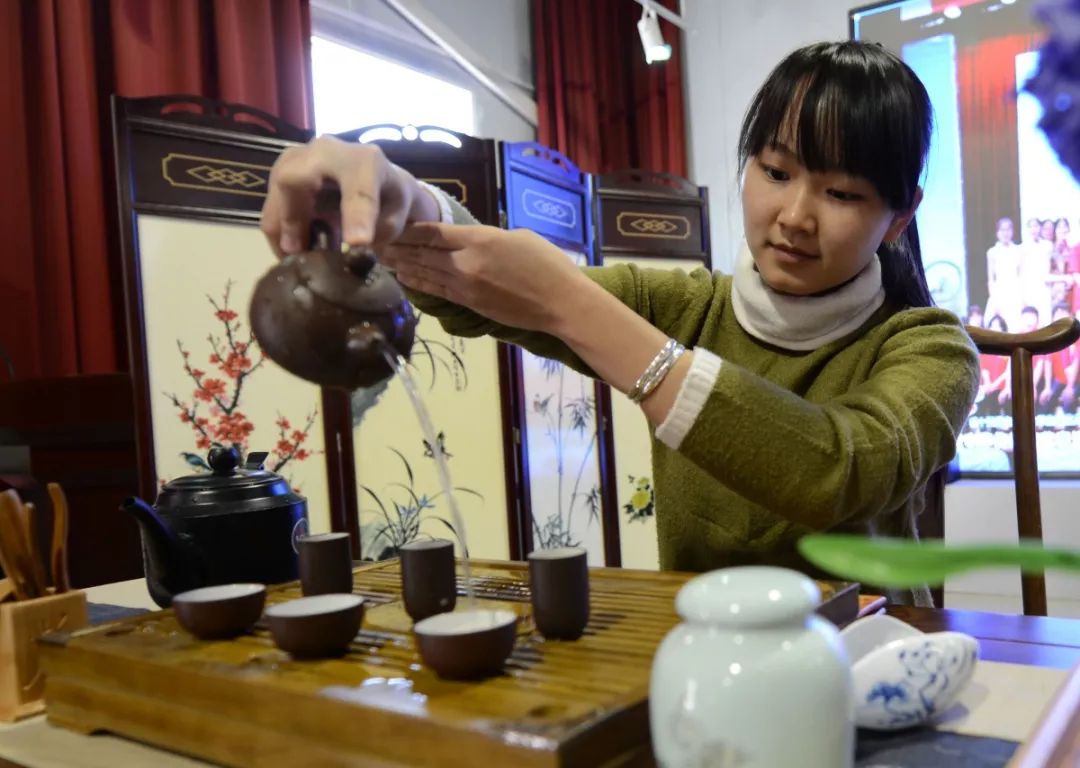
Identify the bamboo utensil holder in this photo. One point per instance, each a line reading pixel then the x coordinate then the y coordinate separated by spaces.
pixel 22 683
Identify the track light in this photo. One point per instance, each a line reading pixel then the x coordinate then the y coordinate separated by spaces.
pixel 652 40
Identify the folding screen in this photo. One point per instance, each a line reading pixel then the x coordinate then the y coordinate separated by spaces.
pixel 467 385
pixel 192 176
pixel 654 220
pixel 561 445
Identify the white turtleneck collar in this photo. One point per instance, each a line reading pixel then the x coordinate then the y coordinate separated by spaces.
pixel 802 323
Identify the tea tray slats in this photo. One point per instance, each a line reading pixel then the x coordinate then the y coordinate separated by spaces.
pixel 242 702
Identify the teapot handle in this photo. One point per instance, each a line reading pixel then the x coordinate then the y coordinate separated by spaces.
pixel 322 237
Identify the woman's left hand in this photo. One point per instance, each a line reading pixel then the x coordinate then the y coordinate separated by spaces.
pixel 515 277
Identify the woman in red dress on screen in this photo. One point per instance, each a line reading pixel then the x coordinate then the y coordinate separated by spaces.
pixel 1060 386
pixel 994 372
pixel 1063 268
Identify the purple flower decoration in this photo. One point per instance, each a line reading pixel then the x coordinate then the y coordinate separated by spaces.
pixel 1057 82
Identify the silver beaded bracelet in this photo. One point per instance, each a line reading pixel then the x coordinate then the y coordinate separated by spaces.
pixel 660 366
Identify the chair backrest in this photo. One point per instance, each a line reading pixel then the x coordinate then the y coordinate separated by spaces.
pixel 1020 348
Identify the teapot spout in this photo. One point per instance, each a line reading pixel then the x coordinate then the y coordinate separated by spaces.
pixel 166 561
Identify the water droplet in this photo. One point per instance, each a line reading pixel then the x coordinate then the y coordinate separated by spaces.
pixel 303 296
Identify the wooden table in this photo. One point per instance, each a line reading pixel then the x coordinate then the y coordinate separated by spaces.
pixel 1035 641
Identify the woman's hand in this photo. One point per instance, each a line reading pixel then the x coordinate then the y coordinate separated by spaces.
pixel 515 278
pixel 378 199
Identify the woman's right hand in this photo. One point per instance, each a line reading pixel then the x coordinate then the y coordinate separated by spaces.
pixel 378 199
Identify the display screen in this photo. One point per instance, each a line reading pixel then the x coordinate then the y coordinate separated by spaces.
pixel 1000 220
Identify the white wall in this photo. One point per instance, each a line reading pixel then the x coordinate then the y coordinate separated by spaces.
pixel 730 48
pixel 498 30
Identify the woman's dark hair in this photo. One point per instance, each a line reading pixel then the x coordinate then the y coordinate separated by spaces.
pixel 863 112
pixel 999 320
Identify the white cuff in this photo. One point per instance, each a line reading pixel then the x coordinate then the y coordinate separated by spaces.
pixel 695 390
pixel 446 213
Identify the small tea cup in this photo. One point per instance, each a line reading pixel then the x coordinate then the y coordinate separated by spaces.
pixel 466 645
pixel 215 613
pixel 326 564
pixel 559 582
pixel 321 625
pixel 428 577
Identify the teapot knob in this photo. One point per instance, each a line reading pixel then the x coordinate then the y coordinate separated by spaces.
pixel 223 459
pixel 360 262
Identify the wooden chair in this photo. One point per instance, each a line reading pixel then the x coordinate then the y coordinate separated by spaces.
pixel 1019 348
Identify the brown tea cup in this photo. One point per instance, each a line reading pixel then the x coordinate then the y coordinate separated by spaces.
pixel 559 582
pixel 428 577
pixel 466 645
pixel 322 625
pixel 215 613
pixel 326 564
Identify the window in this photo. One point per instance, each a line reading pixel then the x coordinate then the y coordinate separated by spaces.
pixel 353 89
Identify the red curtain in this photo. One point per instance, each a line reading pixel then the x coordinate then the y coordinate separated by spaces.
pixel 599 102
pixel 986 82
pixel 60 295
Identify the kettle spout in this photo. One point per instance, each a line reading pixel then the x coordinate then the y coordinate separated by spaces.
pixel 167 562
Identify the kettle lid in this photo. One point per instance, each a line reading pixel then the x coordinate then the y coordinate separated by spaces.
pixel 227 488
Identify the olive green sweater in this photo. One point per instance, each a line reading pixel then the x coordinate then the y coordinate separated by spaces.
pixel 843 437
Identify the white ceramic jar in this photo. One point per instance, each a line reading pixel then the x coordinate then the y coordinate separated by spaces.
pixel 752 677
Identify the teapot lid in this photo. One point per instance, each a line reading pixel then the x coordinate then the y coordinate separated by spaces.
pixel 227 487
pixel 748 596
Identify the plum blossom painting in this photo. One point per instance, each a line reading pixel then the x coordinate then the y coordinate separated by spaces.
pixel 233 359
pixel 208 380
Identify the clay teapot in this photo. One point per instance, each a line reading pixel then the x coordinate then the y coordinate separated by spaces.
pixel 329 316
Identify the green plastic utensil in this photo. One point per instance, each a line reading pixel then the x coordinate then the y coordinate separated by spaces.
pixel 903 563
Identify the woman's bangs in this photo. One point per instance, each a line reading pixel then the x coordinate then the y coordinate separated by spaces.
pixel 826 120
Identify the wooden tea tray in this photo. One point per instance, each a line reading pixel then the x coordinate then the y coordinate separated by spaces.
pixel 242 702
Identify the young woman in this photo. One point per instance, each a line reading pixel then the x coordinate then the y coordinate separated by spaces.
pixel 1003 272
pixel 815 388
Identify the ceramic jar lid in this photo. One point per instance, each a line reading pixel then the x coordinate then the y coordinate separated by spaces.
pixel 749 595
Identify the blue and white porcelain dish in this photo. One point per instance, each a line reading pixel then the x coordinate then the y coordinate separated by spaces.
pixel 904 677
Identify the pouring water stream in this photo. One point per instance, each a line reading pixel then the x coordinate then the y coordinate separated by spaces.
pixel 401 368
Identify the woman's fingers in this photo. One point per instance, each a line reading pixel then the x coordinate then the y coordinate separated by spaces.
pixel 397 257
pixel 270 223
pixel 449 237
pixel 360 172
pixel 361 176
pixel 394 206
pixel 295 181
pixel 424 279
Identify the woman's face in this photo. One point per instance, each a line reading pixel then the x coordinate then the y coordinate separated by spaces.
pixel 1005 231
pixel 1048 230
pixel 1061 231
pixel 810 232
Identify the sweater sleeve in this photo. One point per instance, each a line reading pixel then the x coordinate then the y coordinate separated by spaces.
pixel 669 299
pixel 853 456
